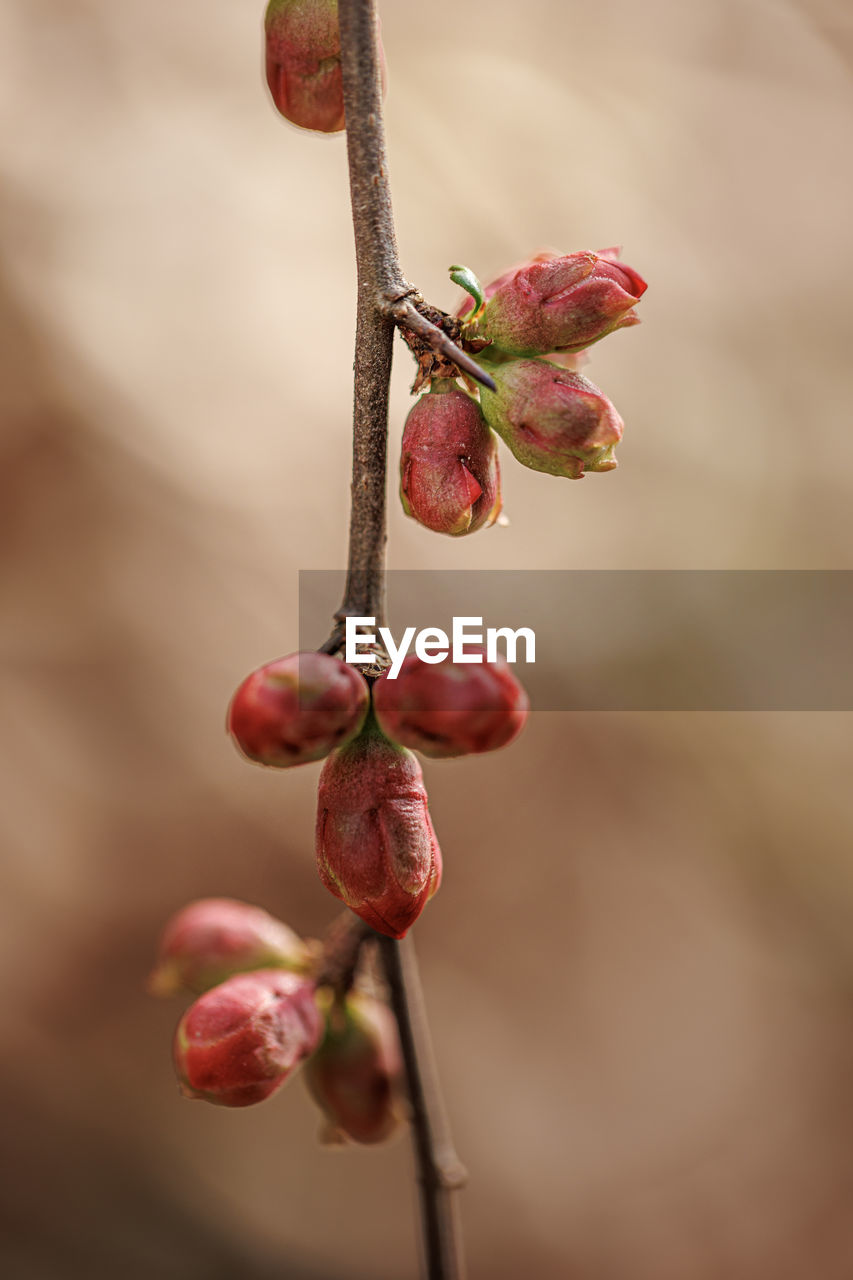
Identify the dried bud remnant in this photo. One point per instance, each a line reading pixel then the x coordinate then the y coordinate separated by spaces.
pixel 376 849
pixel 449 472
pixel 553 420
pixel 297 709
pixel 452 709
pixel 214 938
pixel 355 1076
pixel 240 1041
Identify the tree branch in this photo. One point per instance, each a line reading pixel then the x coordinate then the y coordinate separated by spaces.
pixel 379 276
pixel 341 952
pixel 440 1172
pixel 381 286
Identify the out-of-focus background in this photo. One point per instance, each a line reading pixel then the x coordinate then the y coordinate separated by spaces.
pixel 640 967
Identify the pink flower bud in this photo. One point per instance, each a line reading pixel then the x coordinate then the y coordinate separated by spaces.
pixel 214 938
pixel 303 62
pixel 355 1076
pixel 553 420
pixel 451 708
pixel 554 303
pixel 240 1041
pixel 297 709
pixel 376 849
pixel 449 475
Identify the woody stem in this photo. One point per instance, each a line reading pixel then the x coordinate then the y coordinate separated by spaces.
pixel 381 288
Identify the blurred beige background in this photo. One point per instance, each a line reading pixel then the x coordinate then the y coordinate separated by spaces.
pixel 640 966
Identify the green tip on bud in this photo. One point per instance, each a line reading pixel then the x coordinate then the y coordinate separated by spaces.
pixel 465 278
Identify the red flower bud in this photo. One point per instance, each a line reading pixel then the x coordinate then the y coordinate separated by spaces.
pixel 297 709
pixel 240 1041
pixel 452 708
pixel 449 475
pixel 303 62
pixel 355 1076
pixel 554 303
pixel 553 420
pixel 376 849
pixel 214 938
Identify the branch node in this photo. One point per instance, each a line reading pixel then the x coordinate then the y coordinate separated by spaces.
pixel 451 1174
pixel 430 335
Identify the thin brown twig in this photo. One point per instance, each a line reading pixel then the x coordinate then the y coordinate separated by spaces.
pixel 379 277
pixel 440 1171
pixel 384 300
pixel 381 286
pixel 341 951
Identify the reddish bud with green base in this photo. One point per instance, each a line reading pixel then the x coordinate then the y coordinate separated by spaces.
pixel 451 708
pixel 553 420
pixel 376 849
pixel 296 709
pixel 303 63
pixel 241 1040
pixel 449 473
pixel 355 1076
pixel 214 938
pixel 560 303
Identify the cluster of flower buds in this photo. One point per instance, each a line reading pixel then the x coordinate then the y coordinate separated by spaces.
pixel 255 1018
pixel 376 849
pixel 303 63
pixel 551 417
pixel 259 1015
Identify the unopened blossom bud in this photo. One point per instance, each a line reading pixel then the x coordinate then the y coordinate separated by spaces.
pixel 303 63
pixel 552 419
pixel 449 473
pixel 376 849
pixel 214 938
pixel 451 708
pixel 355 1076
pixel 241 1040
pixel 297 709
pixel 554 303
